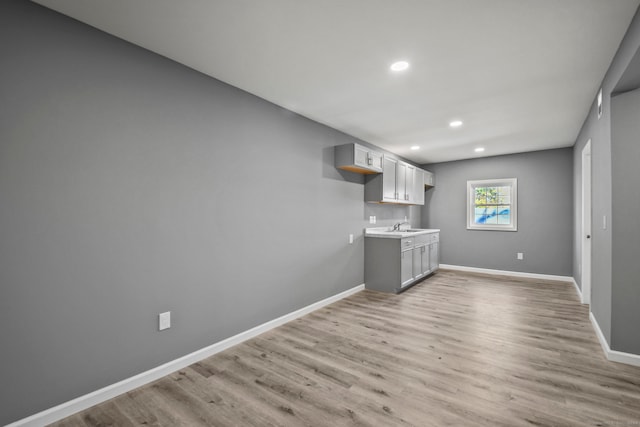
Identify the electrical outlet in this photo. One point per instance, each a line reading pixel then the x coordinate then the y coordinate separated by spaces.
pixel 351 239
pixel 520 255
pixel 164 321
pixel 372 219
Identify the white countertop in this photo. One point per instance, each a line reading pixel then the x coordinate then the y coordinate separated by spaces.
pixel 388 233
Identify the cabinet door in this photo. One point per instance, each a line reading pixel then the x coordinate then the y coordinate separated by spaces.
pixel 418 270
pixel 401 181
pixel 389 192
pixel 434 262
pixel 418 187
pixel 375 161
pixel 360 156
pixel 406 267
pixel 409 195
pixel 429 178
pixel 424 259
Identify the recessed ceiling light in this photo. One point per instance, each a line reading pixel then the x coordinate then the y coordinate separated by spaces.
pixel 415 147
pixel 399 66
pixel 479 150
pixel 455 123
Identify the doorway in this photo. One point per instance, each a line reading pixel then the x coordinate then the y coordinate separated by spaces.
pixel 585 238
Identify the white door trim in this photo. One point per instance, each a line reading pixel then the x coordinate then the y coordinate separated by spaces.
pixel 585 225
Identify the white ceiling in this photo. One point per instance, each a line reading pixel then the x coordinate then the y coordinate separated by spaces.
pixel 521 74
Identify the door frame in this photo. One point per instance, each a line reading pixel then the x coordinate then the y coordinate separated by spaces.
pixel 585 226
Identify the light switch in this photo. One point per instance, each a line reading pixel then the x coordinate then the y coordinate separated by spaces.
pixel 351 239
pixel 604 222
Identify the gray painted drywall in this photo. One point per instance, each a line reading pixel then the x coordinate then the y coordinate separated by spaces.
pixel 599 131
pixel 630 79
pixel 131 185
pixel 625 224
pixel 545 206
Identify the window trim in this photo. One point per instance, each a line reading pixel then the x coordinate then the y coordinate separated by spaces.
pixel 501 182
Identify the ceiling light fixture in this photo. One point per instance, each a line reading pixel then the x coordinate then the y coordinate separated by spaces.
pixel 479 150
pixel 415 147
pixel 455 123
pixel 399 66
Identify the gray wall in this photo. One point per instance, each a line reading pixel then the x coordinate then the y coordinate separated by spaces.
pixel 625 277
pixel 545 206
pixel 131 185
pixel 599 131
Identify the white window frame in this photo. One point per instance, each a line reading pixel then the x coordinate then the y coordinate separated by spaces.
pixel 503 182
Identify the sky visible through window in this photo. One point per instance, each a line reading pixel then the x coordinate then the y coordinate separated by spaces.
pixel 492 205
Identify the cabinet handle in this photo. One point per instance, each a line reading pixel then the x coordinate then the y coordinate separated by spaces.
pixel 369 160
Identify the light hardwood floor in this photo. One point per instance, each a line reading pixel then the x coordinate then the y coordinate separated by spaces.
pixel 458 349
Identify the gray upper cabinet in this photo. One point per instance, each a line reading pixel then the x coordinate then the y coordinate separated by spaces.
pixel 358 158
pixel 418 186
pixel 399 182
pixel 405 185
pixel 388 181
pixel 429 179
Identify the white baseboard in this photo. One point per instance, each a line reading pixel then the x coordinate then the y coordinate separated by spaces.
pixel 507 273
pixel 613 355
pixel 83 402
pixel 603 341
pixel 578 291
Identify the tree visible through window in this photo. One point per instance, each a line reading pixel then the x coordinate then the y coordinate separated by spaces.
pixel 491 204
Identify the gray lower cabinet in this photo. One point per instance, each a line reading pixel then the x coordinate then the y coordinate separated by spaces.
pixel 406 267
pixel 421 264
pixel 434 257
pixel 391 265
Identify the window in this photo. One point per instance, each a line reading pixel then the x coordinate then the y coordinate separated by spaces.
pixel 492 204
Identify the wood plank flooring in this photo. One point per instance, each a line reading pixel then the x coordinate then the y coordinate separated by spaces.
pixel 458 349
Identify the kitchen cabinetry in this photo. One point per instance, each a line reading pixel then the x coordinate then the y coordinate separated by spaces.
pixel 396 184
pixel 434 255
pixel 406 267
pixel 391 265
pixel 405 184
pixel 388 181
pixel 418 186
pixel 358 158
pixel 429 179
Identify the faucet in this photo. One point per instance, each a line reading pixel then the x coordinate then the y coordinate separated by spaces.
pixel 397 226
